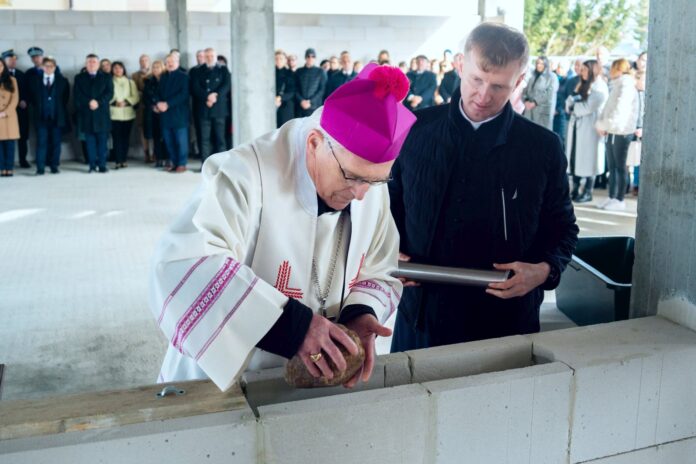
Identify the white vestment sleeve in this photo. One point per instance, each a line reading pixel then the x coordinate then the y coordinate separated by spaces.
pixel 206 299
pixel 375 287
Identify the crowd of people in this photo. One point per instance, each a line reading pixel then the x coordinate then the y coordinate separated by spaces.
pixel 160 99
pixel 595 106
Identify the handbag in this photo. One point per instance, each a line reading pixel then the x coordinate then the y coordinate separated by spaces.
pixel 634 149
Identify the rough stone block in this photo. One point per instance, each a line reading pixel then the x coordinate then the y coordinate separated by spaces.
pixel 268 386
pixel 73 18
pixel 634 383
pixel 201 18
pixel 520 416
pixel 34 17
pixel 370 427
pixel 129 32
pixel 446 362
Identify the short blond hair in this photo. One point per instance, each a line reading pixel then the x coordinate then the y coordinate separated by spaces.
pixel 497 44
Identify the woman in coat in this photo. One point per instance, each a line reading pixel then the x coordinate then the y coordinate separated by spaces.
pixel 9 124
pixel 585 148
pixel 618 123
pixel 540 94
pixel 122 112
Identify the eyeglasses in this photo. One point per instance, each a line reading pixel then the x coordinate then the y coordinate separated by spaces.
pixel 356 180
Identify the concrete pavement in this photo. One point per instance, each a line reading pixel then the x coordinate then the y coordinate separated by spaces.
pixel 74 263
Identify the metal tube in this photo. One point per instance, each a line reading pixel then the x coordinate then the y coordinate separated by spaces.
pixel 449 275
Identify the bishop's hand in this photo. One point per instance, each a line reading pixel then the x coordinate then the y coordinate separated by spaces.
pixel 321 337
pixel 368 328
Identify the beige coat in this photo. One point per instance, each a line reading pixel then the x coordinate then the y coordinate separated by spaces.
pixel 9 125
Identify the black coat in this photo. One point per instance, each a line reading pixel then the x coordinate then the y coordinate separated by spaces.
pixel 99 88
pixel 60 95
pixel 336 80
pixel 310 85
pixel 173 88
pixel 450 82
pixel 423 85
pixel 285 89
pixel 203 82
pixel 470 199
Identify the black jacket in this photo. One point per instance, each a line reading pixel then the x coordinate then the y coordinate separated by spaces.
pixel 422 85
pixel 87 88
pixel 508 189
pixel 310 85
pixel 285 89
pixel 203 82
pixel 336 80
pixel 173 88
pixel 450 82
pixel 59 94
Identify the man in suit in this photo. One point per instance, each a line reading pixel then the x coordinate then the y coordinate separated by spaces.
pixel 210 87
pixel 92 94
pixel 172 105
pixel 450 81
pixel 49 100
pixel 285 89
pixel 22 108
pixel 423 84
pixel 340 77
pixel 37 55
pixel 310 85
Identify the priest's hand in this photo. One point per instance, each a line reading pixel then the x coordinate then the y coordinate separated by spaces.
pixel 527 277
pixel 321 337
pixel 368 328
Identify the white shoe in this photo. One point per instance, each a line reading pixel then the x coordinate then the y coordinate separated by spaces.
pixel 616 205
pixel 603 204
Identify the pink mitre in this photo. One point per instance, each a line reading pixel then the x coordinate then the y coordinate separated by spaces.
pixel 366 115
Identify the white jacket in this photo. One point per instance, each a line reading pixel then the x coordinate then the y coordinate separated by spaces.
pixel 621 110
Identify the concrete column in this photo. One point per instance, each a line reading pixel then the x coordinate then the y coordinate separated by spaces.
pixel 664 275
pixel 178 28
pixel 253 69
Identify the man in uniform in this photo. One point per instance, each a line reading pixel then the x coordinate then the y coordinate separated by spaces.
pixel 285 237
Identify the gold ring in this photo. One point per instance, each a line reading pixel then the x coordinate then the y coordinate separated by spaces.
pixel 315 357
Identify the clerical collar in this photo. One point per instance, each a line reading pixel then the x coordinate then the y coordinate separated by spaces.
pixel 475 124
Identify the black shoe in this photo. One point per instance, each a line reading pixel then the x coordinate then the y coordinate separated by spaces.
pixel 24 164
pixel 91 170
pixel 39 173
pixel 584 198
pixel 55 171
pixel 103 170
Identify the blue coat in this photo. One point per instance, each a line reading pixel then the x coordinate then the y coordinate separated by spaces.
pixel 466 198
pixel 174 89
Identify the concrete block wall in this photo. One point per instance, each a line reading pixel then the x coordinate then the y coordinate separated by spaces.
pixel 612 394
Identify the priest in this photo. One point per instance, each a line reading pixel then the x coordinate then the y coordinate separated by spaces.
pixel 286 237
